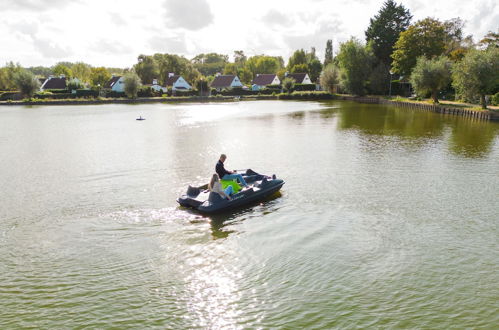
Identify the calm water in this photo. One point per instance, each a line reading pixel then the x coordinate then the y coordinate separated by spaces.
pixel 389 218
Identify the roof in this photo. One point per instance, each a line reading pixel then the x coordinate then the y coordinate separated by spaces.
pixel 112 81
pixel 55 83
pixel 223 81
pixel 171 80
pixel 298 77
pixel 264 79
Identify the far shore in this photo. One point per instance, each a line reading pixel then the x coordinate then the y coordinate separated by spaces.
pixel 454 108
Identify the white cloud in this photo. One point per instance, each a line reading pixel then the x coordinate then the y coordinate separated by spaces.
pixel 172 45
pixel 50 49
pixel 115 32
pixel 33 5
pixel 190 15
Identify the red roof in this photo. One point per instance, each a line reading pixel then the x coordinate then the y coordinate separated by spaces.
pixel 171 80
pixel 298 77
pixel 112 81
pixel 264 79
pixel 223 81
pixel 55 83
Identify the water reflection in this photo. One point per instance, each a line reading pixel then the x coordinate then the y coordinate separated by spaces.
pixel 469 138
pixel 472 138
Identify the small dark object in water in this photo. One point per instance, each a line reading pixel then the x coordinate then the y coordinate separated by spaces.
pixel 140 118
pixel 205 201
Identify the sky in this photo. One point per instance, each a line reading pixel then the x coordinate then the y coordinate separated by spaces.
pixel 114 33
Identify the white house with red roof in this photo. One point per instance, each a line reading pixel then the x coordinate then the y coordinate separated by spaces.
pixel 116 84
pixel 177 83
pixel 263 80
pixel 299 78
pixel 226 82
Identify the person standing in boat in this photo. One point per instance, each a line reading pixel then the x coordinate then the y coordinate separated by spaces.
pixel 228 175
pixel 216 187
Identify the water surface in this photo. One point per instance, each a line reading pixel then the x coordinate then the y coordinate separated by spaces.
pixel 388 218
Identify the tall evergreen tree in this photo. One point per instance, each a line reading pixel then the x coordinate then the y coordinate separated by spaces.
pixel 328 58
pixel 384 29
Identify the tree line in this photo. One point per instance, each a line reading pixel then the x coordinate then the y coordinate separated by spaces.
pixel 432 55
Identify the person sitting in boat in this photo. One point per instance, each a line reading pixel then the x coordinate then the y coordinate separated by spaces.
pixel 228 175
pixel 216 186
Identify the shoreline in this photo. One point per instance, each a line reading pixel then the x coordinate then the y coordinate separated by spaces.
pixel 303 96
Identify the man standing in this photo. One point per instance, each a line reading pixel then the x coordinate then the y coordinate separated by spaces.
pixel 227 175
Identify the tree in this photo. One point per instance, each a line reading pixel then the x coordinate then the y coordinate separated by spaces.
pixel 7 74
pixel 299 68
pixel 239 57
pixel 210 64
pixel 74 84
pixel 384 29
pixel 62 69
pixel 477 74
pixel 26 82
pixel 298 57
pixel 171 63
pixel 263 64
pixel 328 57
pixel 288 84
pixel 132 84
pixel 330 78
pixel 491 39
pixel 379 79
pixel 355 61
pixel 81 71
pixel 431 76
pixel 99 76
pixel 146 68
pixel 314 69
pixel 428 37
pixel 202 86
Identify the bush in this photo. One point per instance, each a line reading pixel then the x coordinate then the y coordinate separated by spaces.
pixel 191 92
pixel 306 96
pixel 304 87
pixel 133 85
pixel 113 94
pixel 9 96
pixel 86 93
pixel 145 91
pixel 26 82
pixel 56 91
pixel 58 96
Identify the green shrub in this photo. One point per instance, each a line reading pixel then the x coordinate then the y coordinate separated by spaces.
pixel 113 94
pixel 86 93
pixel 304 87
pixel 495 99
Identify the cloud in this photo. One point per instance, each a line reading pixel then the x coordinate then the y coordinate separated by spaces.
pixel 173 45
pixel 274 17
pixel 24 27
pixel 111 47
pixel 323 31
pixel 118 19
pixel 50 49
pixel 188 14
pixel 34 5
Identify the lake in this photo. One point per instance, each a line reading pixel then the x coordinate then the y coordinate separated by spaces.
pixel 388 218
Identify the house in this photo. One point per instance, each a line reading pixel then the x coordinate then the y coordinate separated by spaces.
pixel 300 78
pixel 54 83
pixel 176 82
pixel 264 80
pixel 116 84
pixel 226 82
pixel 157 87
